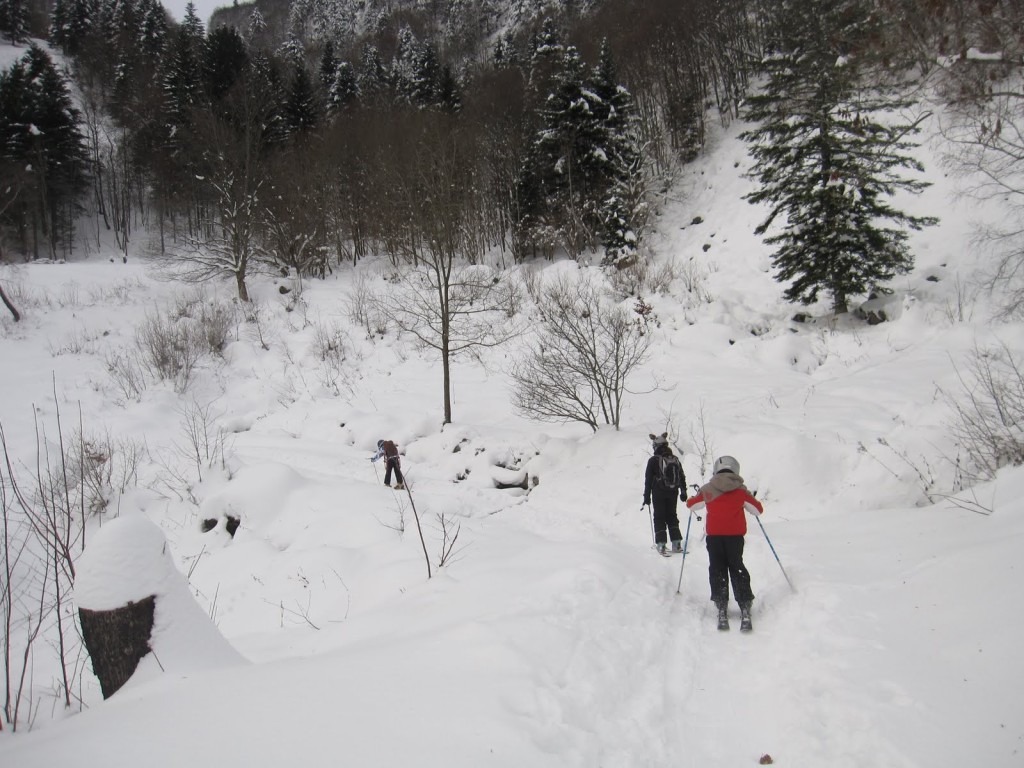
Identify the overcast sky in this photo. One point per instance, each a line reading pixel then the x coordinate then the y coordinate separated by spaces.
pixel 203 7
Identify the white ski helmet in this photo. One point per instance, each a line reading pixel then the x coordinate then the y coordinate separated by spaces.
pixel 727 464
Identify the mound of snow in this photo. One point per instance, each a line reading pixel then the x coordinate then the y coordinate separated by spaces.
pixel 127 561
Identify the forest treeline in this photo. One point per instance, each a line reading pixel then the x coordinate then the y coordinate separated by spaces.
pixel 396 137
pixel 331 149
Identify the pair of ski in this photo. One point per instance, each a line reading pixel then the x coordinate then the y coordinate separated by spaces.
pixel 667 552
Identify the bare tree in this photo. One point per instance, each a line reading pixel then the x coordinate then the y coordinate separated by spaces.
pixel 10 306
pixel 296 213
pixel 446 300
pixel 234 251
pixel 9 193
pixel 43 532
pixel 450 529
pixel 236 173
pixel 577 368
pixel 984 122
pixel 988 412
pixel 452 309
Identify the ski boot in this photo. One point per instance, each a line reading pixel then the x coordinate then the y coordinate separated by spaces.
pixel 745 623
pixel 723 615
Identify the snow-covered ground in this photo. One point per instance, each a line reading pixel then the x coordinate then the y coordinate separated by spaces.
pixel 555 636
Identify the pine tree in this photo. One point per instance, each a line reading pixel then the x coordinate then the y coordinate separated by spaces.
pixel 448 98
pixel 426 75
pixel 828 149
pixel 225 59
pixel 15 114
pixel 623 205
pixel 301 109
pixel 14 20
pixel 192 25
pixel 257 25
pixel 73 23
pixel 58 22
pixel 40 129
pixel 546 60
pixel 182 81
pixel 59 123
pixel 344 90
pixel 179 156
pixel 573 165
pixel 404 66
pixel 373 79
pixel 328 66
pixel 153 32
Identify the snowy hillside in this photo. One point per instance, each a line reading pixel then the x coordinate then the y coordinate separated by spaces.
pixel 554 636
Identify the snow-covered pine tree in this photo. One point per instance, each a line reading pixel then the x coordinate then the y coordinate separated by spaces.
pixel 404 65
pixel 40 129
pixel 572 163
pixel 328 66
pixel 425 76
pixel 153 32
pixel 344 90
pixel 623 205
pixel 182 81
pixel 177 153
pixel 373 78
pixel 828 149
pixel 72 23
pixel 14 20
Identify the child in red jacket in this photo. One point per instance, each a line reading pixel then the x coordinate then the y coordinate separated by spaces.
pixel 726 499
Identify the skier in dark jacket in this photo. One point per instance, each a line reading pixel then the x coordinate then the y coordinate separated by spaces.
pixel 727 499
pixel 389 451
pixel 664 495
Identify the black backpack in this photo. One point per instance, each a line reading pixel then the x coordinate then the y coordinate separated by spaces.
pixel 671 472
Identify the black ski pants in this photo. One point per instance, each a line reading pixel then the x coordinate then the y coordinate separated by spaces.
pixel 393 462
pixel 725 562
pixel 665 518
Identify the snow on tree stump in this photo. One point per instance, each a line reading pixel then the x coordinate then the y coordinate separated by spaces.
pixel 117 640
pixel 139 618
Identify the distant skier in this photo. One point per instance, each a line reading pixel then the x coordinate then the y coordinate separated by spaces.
pixel 726 499
pixel 663 483
pixel 389 452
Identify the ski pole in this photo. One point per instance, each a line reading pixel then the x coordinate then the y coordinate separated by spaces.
pixel 650 514
pixel 419 528
pixel 761 525
pixel 686 543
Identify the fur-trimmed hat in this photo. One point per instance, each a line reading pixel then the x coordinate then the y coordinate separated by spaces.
pixel 658 441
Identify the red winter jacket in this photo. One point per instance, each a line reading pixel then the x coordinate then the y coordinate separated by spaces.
pixel 725 497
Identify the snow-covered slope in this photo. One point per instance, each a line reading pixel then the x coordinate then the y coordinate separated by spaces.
pixel 555 636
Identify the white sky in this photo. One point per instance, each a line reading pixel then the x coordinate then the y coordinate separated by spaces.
pixel 556 637
pixel 204 8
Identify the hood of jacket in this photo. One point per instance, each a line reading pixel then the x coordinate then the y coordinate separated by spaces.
pixel 723 482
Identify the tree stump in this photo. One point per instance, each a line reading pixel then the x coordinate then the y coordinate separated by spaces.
pixel 117 640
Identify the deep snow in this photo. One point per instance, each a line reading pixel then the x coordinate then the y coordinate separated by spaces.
pixel 556 636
